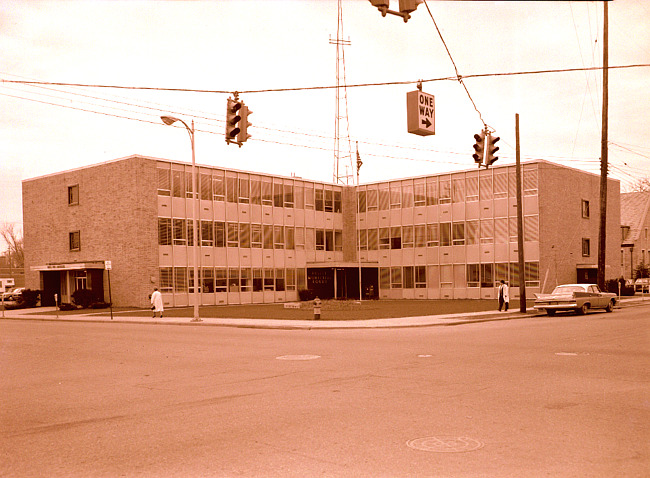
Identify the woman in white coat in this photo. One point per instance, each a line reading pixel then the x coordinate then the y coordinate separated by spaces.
pixel 504 296
pixel 157 302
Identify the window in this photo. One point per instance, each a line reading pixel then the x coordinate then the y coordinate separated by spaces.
pixel 190 232
pixel 530 181
pixel 267 193
pixel 361 201
pixel 433 238
pixel 233 234
pixel 268 236
pixel 472 275
pixel 288 195
pixel 269 283
pixel 396 237
pixel 458 193
pixel 206 187
pixel 329 240
pixel 178 184
pixel 420 277
pixel 420 235
pixel 291 279
pixel 373 240
pixel 320 240
pixel 180 232
pixel 245 280
pixel 256 191
pixel 585 208
pixel 300 238
pixel 258 280
pixel 363 240
pixel 500 184
pixel 219 234
pixel 180 279
pixel 395 277
pixel 432 191
pixel 472 188
pixel 164 231
pixel 471 232
pixel 407 236
pixel 395 195
pixel 485 185
pixel 384 277
pixel 75 240
pixel 329 200
pixel 409 278
pixel 289 237
pixel 384 238
pixel 419 198
pixel 487 231
pixel 445 191
pixel 207 279
pixel 73 195
pixel 407 195
pixel 299 191
pixel 458 234
pixel 218 187
pixel 501 230
pixel 189 185
pixel 278 237
pixel 586 247
pixel 256 236
pixel 245 235
pixel 532 274
pixel 231 189
pixel 309 196
pixel 166 279
pixel 338 240
pixel 207 234
pixel 531 228
pixel 371 198
pixel 384 198
pixel 233 279
pixel 445 234
pixel 320 206
pixel 337 201
pixel 310 243
pixel 244 191
pixel 220 279
pixel 278 195
pixel 486 275
pixel 279 280
pixel 164 182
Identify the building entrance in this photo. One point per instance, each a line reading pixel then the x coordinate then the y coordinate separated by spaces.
pixel 343 282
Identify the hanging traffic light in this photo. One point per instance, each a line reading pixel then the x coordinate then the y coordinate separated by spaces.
pixel 479 148
pixel 232 119
pixel 244 124
pixel 405 7
pixel 491 150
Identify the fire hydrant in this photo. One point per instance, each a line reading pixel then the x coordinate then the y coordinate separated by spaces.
pixel 316 308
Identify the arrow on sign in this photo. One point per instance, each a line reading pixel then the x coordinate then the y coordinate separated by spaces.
pixel 426 122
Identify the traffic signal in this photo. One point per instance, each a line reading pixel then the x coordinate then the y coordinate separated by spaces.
pixel 479 148
pixel 491 150
pixel 408 6
pixel 244 124
pixel 232 119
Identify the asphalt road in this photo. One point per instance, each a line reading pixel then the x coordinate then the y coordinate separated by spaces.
pixel 563 396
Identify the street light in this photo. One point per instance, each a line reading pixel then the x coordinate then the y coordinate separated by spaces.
pixel 169 120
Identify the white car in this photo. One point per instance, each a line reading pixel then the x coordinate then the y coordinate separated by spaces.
pixel 577 297
pixel 12 295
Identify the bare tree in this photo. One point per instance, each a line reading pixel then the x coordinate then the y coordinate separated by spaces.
pixel 14 239
pixel 641 185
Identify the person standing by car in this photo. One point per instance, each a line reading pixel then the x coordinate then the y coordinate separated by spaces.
pixel 504 296
pixel 157 302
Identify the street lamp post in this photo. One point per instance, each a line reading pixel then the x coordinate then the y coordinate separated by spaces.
pixel 169 120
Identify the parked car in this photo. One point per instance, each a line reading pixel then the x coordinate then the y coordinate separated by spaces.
pixel 577 297
pixel 13 295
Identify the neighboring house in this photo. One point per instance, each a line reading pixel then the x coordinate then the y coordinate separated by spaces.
pixel 263 237
pixel 635 222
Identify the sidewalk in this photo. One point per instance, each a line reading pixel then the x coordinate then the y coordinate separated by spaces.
pixel 43 314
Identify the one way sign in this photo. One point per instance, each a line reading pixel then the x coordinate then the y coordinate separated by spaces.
pixel 420 113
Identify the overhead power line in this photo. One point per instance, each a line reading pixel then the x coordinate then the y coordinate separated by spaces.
pixel 326 87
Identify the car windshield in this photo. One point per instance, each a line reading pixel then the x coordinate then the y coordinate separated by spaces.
pixel 568 289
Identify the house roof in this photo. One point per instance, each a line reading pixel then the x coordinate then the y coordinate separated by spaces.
pixel 634 209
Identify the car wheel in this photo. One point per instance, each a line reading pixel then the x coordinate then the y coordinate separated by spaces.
pixel 583 310
pixel 550 312
pixel 610 306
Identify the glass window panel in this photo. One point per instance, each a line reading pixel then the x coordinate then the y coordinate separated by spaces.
pixel 486 275
pixel 420 235
pixel 531 228
pixel 244 235
pixel 458 194
pixel 408 277
pixel 395 277
pixel 207 280
pixel 446 276
pixel 407 194
pixel 233 279
pixel 164 231
pixel 309 196
pixel 433 237
pixel 459 276
pixel 207 234
pixel 485 185
pixel 472 187
pixel 395 237
pixel 218 186
pixel 180 279
pixel 166 279
pixel 164 182
pixel 278 237
pixel 278 194
pixel 433 277
pixel 361 201
pixel 420 277
pixel 473 275
pixel 373 240
pixel 384 238
pixel 445 234
pixel 501 230
pixel 487 231
pixel 178 184
pixel 245 280
pixel 268 236
pixel 384 198
pixel 458 234
pixel 244 191
pixel 395 195
pixel 180 232
pixel 256 191
pixel 419 193
pixel 206 186
pixel 288 195
pixel 220 234
pixel 220 279
pixel 407 236
pixel 329 200
pixel 231 190
pixel 279 280
pixel 233 234
pixel 432 191
pixel 372 198
pixel 500 184
pixel 256 236
pixel 471 232
pixel 267 193
pixel 384 277
pixel 444 191
pixel 319 198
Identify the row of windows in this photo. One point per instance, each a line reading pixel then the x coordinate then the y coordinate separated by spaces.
pixel 485 231
pixel 247 190
pixel 179 232
pixel 457 276
pixel 222 279
pixel 462 187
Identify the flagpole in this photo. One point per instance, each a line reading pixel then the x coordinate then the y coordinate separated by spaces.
pixel 359 163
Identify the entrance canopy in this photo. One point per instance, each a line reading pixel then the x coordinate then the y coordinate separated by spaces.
pixel 70 266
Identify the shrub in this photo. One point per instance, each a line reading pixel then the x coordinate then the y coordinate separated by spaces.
pixel 612 286
pixel 83 298
pixel 306 294
pixel 28 298
pixel 66 306
pixel 100 305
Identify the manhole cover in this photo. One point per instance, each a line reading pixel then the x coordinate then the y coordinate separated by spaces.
pixel 297 357
pixel 445 444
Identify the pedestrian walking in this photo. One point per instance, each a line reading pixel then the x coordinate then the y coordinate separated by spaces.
pixel 157 302
pixel 504 296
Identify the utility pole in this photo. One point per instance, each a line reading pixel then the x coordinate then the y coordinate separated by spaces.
pixel 602 229
pixel 520 224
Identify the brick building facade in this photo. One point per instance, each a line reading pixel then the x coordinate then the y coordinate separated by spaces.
pixel 263 238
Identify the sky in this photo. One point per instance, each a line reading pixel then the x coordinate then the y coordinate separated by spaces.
pixel 256 47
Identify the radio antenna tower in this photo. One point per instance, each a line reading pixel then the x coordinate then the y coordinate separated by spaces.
pixel 340 75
